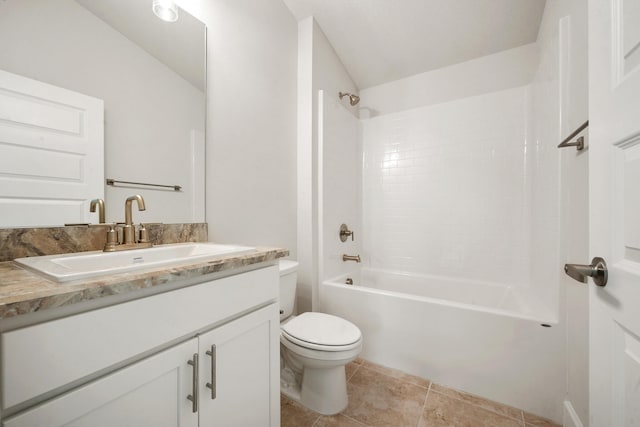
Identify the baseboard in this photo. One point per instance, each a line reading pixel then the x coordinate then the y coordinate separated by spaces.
pixel 570 418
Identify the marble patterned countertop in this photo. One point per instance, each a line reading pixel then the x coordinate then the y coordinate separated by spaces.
pixel 22 291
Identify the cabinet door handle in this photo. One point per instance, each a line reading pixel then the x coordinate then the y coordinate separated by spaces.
pixel 212 384
pixel 194 397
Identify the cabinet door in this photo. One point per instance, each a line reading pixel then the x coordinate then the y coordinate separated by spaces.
pixel 152 392
pixel 241 360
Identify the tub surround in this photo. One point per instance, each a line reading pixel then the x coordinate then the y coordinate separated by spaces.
pixel 25 242
pixel 22 291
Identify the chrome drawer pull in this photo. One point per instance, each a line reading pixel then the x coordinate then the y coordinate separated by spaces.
pixel 194 397
pixel 212 384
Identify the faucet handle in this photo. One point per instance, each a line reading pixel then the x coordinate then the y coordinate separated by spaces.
pixel 112 235
pixel 345 232
pixel 143 234
pixel 112 239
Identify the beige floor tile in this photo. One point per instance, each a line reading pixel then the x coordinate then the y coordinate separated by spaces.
pixel 536 421
pixel 381 400
pixel 337 421
pixel 444 411
pixel 397 374
pixel 380 396
pixel 496 407
pixel 294 415
pixel 351 369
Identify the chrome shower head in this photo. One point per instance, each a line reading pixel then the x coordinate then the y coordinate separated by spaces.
pixel 353 99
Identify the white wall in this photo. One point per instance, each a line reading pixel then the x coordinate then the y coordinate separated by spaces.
pixel 560 105
pixel 251 121
pixel 319 68
pixel 340 182
pixel 444 189
pixel 147 139
pixel 508 69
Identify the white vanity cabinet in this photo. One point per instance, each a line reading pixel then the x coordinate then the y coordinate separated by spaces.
pixel 242 371
pixel 151 392
pixel 202 355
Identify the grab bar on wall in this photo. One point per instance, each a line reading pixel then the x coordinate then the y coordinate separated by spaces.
pixel 115 181
pixel 578 143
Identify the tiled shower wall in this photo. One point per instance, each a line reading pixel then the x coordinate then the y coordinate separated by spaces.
pixel 445 189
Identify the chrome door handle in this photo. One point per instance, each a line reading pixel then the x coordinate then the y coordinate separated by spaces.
pixel 596 270
pixel 212 384
pixel 194 397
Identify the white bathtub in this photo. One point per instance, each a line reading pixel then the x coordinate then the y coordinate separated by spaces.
pixel 478 337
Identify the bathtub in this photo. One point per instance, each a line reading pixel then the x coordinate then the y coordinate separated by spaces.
pixel 491 340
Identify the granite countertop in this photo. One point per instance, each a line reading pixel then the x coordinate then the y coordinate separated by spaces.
pixel 22 291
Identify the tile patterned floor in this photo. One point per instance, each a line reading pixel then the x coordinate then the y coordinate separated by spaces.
pixel 380 396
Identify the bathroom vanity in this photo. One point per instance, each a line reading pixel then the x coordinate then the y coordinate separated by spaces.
pixel 182 346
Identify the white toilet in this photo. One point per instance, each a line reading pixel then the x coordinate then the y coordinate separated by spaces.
pixel 314 349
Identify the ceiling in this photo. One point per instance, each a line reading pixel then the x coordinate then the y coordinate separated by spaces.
pixel 179 45
pixel 384 40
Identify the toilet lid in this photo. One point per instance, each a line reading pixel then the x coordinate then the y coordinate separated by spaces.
pixel 322 329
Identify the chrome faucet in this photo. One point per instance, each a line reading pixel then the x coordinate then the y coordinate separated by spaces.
pixel 355 258
pixel 128 230
pixel 100 204
pixel 113 242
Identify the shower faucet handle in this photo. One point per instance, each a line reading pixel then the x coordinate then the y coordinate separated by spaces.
pixel 345 232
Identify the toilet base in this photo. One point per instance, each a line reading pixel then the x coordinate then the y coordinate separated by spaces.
pixel 292 391
pixel 323 390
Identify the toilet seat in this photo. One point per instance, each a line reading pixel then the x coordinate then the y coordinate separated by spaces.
pixel 323 332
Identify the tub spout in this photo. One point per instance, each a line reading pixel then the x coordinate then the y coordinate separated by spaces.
pixel 355 258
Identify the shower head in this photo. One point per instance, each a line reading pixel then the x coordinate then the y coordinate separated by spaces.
pixel 353 99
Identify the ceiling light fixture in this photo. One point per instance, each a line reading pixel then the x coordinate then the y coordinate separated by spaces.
pixel 165 10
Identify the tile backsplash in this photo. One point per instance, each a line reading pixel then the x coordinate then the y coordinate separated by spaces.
pixel 24 242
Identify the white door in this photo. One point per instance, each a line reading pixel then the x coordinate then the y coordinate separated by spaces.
pixel 241 360
pixel 614 174
pixel 51 153
pixel 150 393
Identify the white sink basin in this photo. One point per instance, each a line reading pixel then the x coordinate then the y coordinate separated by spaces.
pixel 66 267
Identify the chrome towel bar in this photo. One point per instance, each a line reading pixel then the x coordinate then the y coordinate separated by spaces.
pixel 115 181
pixel 578 143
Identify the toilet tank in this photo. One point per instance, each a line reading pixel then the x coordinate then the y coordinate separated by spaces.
pixel 288 280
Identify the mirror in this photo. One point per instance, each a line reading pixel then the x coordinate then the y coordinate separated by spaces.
pixel 150 75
